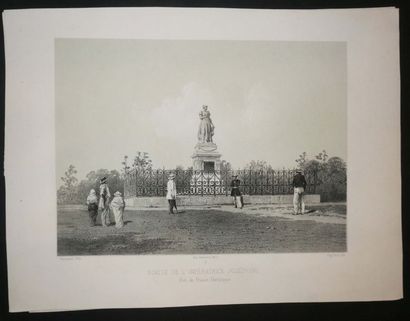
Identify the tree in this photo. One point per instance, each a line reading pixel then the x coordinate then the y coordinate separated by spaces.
pixel 336 178
pixel 311 166
pixel 225 166
pixel 66 193
pixel 142 161
pixel 125 167
pixel 301 160
pixel 322 157
pixel 115 182
pixel 336 165
pixel 69 178
pixel 329 174
pixel 258 166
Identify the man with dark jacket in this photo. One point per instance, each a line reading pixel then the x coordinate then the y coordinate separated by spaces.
pixel 299 186
pixel 235 192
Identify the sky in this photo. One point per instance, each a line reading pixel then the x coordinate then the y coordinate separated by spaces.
pixel 268 100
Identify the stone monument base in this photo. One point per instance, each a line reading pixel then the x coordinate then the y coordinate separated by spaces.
pixel 206 157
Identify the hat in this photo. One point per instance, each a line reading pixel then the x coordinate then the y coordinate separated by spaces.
pixel 234 175
pixel 103 180
pixel 171 176
pixel 117 193
pixel 298 171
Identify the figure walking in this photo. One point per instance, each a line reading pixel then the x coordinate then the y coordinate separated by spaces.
pixel 92 203
pixel 104 202
pixel 299 186
pixel 117 206
pixel 235 192
pixel 172 194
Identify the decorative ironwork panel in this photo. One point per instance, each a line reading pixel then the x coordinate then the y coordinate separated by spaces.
pixel 154 182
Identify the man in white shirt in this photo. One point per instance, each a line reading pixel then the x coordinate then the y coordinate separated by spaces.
pixel 172 194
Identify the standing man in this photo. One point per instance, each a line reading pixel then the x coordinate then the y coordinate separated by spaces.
pixel 172 194
pixel 104 202
pixel 235 192
pixel 299 186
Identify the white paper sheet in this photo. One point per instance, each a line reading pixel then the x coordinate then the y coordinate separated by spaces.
pixel 370 270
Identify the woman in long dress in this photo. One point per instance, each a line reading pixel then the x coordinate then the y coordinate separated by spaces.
pixel 117 206
pixel 104 202
pixel 206 127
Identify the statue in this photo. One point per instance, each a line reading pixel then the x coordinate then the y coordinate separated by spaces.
pixel 206 127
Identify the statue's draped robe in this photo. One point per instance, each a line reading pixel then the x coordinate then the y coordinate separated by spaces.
pixel 206 128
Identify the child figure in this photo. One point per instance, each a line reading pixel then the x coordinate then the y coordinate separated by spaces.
pixel 92 203
pixel 117 206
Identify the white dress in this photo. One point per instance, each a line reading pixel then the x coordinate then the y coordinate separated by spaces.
pixel 117 206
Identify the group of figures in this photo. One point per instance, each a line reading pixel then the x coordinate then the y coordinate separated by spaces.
pixel 205 134
pixel 299 186
pixel 172 193
pixel 104 205
pixel 117 204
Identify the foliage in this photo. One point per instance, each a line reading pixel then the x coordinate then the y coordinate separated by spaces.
pixel 183 176
pixel 78 192
pixel 69 178
pixel 225 166
pixel 330 175
pixel 125 167
pixel 301 160
pixel 142 161
pixel 258 166
pixel 66 193
pixel 322 157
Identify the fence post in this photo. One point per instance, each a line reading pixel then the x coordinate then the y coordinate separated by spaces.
pixel 273 182
pixel 202 183
pixel 214 183
pixel 250 182
pixel 136 183
pixel 226 182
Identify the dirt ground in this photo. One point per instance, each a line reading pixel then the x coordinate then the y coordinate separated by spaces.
pixel 222 229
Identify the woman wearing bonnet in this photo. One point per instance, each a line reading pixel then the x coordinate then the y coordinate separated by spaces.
pixel 117 206
pixel 92 203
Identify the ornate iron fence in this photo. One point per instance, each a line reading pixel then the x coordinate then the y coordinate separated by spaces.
pixel 189 182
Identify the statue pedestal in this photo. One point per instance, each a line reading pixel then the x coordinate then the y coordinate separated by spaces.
pixel 206 157
pixel 206 179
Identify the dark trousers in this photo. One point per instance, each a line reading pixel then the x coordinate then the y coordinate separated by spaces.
pixel 93 213
pixel 172 204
